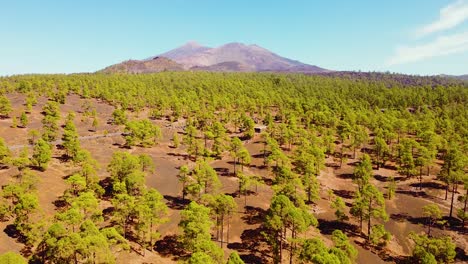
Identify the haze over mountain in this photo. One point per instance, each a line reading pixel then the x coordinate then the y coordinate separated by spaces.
pixel 463 77
pixel 231 57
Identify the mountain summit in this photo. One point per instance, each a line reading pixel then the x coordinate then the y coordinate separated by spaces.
pixel 231 57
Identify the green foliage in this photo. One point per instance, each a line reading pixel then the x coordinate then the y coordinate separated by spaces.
pixel 442 250
pixel 305 115
pixel 195 224
pixel 391 188
pixel 342 242
pixel 200 258
pixel 141 132
pixel 339 205
pixel 363 172
pixel 12 258
pixel 70 139
pixel 175 140
pixel 24 119
pixel 14 122
pixel 5 153
pixel 369 204
pixel 379 236
pixel 128 172
pixel 433 213
pixel 119 116
pixel 281 215
pixel 5 106
pixel 42 154
pixel 50 126
pixel 234 258
pixel 315 251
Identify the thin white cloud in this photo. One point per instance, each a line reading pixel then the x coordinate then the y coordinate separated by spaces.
pixel 450 17
pixel 444 45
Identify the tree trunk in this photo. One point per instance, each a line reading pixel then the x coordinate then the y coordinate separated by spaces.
pixel 235 166
pixel 420 178
pixel 245 199
pixel 369 220
pixel 151 237
pixel 227 236
pixel 222 230
pixel 217 227
pixel 341 155
pixel 453 196
pixel 446 190
pixel 360 221
pixel 464 209
pixel 183 191
pixel 429 227
pixel 291 250
pixel 378 160
pixel 281 247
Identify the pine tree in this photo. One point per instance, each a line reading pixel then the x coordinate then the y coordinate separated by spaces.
pixel 42 154
pixel 24 119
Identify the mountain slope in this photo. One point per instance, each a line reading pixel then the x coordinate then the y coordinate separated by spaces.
pixel 249 57
pixel 187 50
pixel 156 64
pixel 231 57
pixel 459 77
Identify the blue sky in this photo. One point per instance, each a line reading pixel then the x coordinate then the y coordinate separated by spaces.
pixel 415 37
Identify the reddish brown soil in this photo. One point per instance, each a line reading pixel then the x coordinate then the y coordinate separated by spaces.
pixel 404 210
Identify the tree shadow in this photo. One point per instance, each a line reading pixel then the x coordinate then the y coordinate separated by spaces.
pixel 185 156
pixel 170 246
pixel 106 184
pixel 327 227
pixel 381 178
pixel 345 176
pixel 223 171
pixel 344 194
pixel 390 167
pixel 253 215
pixel 421 194
pixel 332 165
pixel 11 231
pixel 387 256
pixel 250 248
pixel 60 203
pixel 432 185
pixel 461 255
pixel 176 203
pixel 260 155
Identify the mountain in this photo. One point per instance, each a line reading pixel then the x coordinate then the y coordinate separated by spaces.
pixel 156 64
pixel 189 49
pixel 235 57
pixel 231 57
pixel 459 77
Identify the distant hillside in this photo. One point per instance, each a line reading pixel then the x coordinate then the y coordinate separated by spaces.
pixel 232 57
pixel 463 77
pixel 458 77
pixel 157 64
pixel 396 79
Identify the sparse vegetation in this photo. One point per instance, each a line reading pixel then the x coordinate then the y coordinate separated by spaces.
pixel 193 144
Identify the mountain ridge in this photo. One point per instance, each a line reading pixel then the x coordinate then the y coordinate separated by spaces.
pixel 230 57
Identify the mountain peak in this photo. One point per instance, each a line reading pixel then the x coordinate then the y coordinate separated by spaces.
pixel 192 43
pixel 234 44
pixel 234 56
